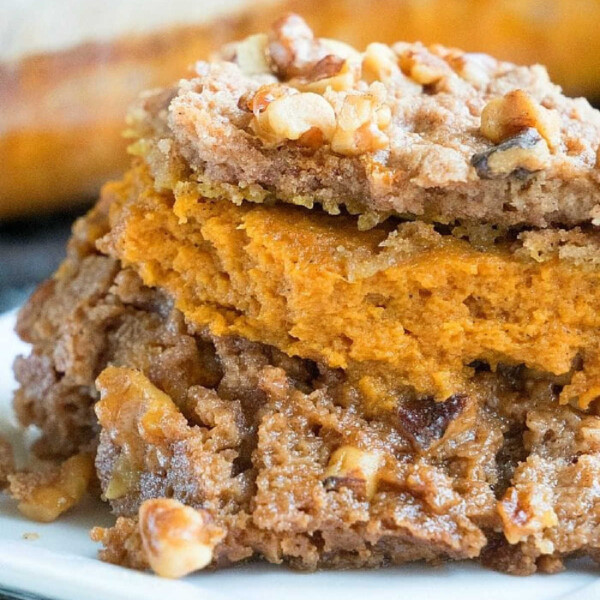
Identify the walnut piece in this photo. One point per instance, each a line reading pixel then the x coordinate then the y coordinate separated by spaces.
pixel 526 511
pixel 355 469
pixel 473 67
pixel 331 72
pixel 291 116
pixel 44 496
pixel 251 55
pixel 292 47
pixel 361 123
pixel 177 539
pixel 423 67
pixel 506 116
pixel 379 63
pixel 520 155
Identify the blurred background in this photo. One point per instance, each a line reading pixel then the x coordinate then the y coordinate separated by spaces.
pixel 69 68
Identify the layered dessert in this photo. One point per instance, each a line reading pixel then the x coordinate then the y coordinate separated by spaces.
pixel 342 311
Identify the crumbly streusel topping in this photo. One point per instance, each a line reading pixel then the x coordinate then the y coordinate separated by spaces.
pixel 430 131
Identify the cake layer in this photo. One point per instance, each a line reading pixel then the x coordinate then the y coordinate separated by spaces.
pixel 397 307
pixel 279 453
pixel 429 131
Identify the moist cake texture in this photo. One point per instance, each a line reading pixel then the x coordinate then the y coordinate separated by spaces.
pixel 413 378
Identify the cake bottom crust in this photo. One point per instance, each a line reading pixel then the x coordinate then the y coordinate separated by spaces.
pixel 280 455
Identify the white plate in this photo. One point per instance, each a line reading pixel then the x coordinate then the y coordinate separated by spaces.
pixel 61 563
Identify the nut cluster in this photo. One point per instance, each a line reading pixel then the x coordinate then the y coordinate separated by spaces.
pixel 177 539
pixel 321 92
pixel 324 93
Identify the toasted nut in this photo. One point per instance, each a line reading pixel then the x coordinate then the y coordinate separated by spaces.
pixel 290 117
pixel 332 72
pixel 423 67
pixel 380 63
pixel 354 468
pixel 251 55
pixel 258 101
pixel 45 496
pixel 508 115
pixel 361 122
pixel 177 539
pixel 295 54
pixel 292 47
pixel 526 511
pixel 519 156
pixel 472 67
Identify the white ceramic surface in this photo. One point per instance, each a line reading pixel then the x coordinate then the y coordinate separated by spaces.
pixel 61 563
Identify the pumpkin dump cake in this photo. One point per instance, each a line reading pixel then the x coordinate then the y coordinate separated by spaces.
pixel 342 311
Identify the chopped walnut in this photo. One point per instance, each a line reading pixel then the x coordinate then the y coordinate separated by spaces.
pixel 44 496
pixel 423 67
pixel 251 55
pixel 177 539
pixel 520 155
pixel 472 67
pixel 526 511
pixel 256 102
pixel 379 63
pixel 332 72
pixel 509 115
pixel 355 469
pixel 289 117
pixel 308 63
pixel 361 122
pixel 292 47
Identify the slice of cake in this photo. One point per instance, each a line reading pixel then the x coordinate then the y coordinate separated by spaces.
pixel 342 311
